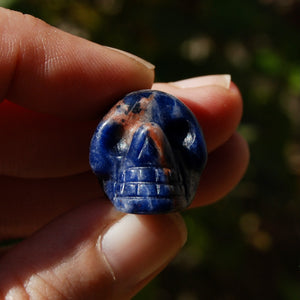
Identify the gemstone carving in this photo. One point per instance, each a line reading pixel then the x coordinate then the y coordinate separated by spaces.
pixel 148 152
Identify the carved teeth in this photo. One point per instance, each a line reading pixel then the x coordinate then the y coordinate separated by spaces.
pixel 146 189
pixel 149 174
pixel 149 182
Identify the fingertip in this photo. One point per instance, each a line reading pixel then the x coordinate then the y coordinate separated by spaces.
pixel 61 74
pixel 218 109
pixel 92 250
pixel 225 168
pixel 139 60
pixel 136 247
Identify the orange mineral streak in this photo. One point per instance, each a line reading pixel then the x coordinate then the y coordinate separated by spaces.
pixel 121 113
pixel 157 137
pixel 132 120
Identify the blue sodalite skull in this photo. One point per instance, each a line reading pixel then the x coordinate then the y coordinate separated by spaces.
pixel 149 152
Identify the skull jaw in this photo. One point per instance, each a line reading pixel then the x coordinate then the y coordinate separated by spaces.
pixel 150 205
pixel 149 190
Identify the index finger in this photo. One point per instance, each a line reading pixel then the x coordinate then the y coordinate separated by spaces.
pixel 48 70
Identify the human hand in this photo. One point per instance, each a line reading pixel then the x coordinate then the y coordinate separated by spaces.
pixel 57 85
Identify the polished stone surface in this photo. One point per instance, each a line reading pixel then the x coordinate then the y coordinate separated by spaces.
pixel 149 152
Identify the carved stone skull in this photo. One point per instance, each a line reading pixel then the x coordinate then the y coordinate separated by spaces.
pixel 149 152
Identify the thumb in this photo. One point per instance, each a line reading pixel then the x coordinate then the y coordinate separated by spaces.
pixel 48 70
pixel 93 252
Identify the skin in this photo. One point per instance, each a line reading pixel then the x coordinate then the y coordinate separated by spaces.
pixel 54 87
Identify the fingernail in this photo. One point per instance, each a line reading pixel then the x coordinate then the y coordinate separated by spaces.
pixel 219 80
pixel 136 246
pixel 147 64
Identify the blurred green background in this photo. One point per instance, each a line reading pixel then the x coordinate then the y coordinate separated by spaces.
pixel 248 245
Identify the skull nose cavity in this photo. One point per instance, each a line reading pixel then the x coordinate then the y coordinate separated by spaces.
pixel 148 145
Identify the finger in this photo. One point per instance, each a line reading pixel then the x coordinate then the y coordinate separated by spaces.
pixel 36 145
pixel 29 204
pixel 217 104
pixel 225 168
pixel 53 147
pixel 48 70
pixel 48 198
pixel 98 253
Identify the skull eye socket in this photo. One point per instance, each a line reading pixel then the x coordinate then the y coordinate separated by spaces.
pixel 180 133
pixel 114 139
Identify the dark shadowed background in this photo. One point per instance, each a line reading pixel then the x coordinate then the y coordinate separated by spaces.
pixel 248 245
